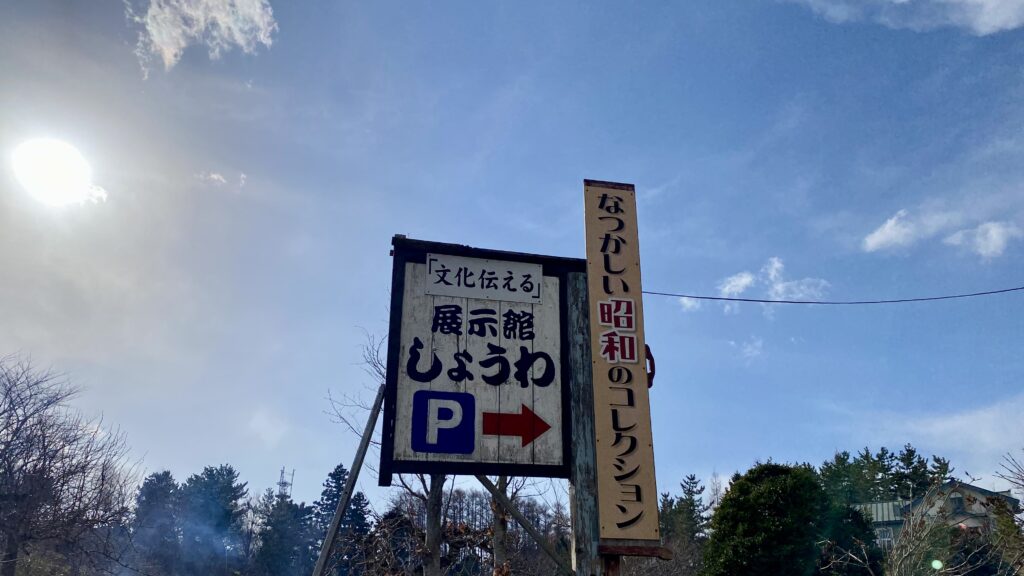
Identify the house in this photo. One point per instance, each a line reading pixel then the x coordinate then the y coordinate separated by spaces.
pixel 954 503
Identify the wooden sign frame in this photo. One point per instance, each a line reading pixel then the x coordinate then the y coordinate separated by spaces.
pixel 407 250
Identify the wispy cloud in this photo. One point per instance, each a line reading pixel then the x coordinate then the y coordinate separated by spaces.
pixel 734 286
pixel 905 229
pixel 777 287
pixel 214 178
pixel 988 240
pixel 752 348
pixel 781 289
pixel 171 26
pixel 975 438
pixel 219 180
pixel 689 304
pixel 980 17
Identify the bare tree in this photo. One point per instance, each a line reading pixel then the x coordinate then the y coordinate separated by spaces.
pixel 1010 531
pixel 927 545
pixel 65 481
pixel 428 489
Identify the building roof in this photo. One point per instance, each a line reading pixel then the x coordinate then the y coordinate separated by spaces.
pixel 892 512
pixel 1012 502
pixel 884 512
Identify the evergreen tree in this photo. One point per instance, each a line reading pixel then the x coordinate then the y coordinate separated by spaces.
pixel 155 530
pixel 865 472
pixel 212 507
pixel 693 508
pixel 884 476
pixel 284 548
pixel 838 478
pixel 354 525
pixel 768 523
pixel 846 530
pixel 685 517
pixel 912 477
pixel 939 470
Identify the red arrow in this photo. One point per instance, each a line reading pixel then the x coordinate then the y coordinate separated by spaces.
pixel 526 424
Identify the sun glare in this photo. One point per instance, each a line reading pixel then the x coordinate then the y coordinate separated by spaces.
pixel 55 173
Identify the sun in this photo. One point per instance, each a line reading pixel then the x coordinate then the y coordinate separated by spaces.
pixel 55 173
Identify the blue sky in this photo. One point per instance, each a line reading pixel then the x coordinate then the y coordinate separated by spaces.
pixel 258 156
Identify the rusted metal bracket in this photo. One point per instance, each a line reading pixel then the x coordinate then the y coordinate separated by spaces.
pixel 650 366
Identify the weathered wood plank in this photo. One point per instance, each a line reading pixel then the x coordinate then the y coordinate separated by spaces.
pixel 415 324
pixel 547 401
pixel 583 476
pixel 486 394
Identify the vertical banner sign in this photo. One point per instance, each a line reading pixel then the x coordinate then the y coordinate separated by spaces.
pixel 627 494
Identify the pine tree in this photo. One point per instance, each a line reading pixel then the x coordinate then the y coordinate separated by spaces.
pixel 694 510
pixel 838 479
pixel 939 471
pixel 912 478
pixel 685 518
pixel 155 530
pixel 284 539
pixel 864 472
pixel 352 529
pixel 212 506
pixel 885 475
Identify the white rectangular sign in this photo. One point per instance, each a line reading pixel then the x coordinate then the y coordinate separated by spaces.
pixel 479 381
pixel 483 279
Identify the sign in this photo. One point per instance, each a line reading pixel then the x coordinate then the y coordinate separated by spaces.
pixel 476 363
pixel 483 279
pixel 627 493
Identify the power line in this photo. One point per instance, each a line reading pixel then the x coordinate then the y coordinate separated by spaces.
pixel 838 302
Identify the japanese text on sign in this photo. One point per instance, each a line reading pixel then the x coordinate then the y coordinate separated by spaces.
pixel 483 279
pixel 477 368
pixel 627 494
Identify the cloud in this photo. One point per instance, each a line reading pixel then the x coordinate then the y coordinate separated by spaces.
pixel 218 180
pixel 689 304
pixel 171 26
pixel 904 229
pixel 752 348
pixel 980 17
pixel 732 287
pixel 975 439
pixel 781 289
pixel 268 427
pixel 736 284
pixel 772 277
pixel 895 232
pixel 213 178
pixel 988 240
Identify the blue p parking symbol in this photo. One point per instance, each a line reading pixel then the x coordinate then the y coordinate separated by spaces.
pixel 443 422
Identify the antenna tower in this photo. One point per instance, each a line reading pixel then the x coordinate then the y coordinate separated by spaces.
pixel 284 487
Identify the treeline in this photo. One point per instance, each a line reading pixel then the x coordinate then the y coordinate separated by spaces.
pixel 801 520
pixel 210 525
pixel 71 504
pixel 207 525
pixel 882 476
